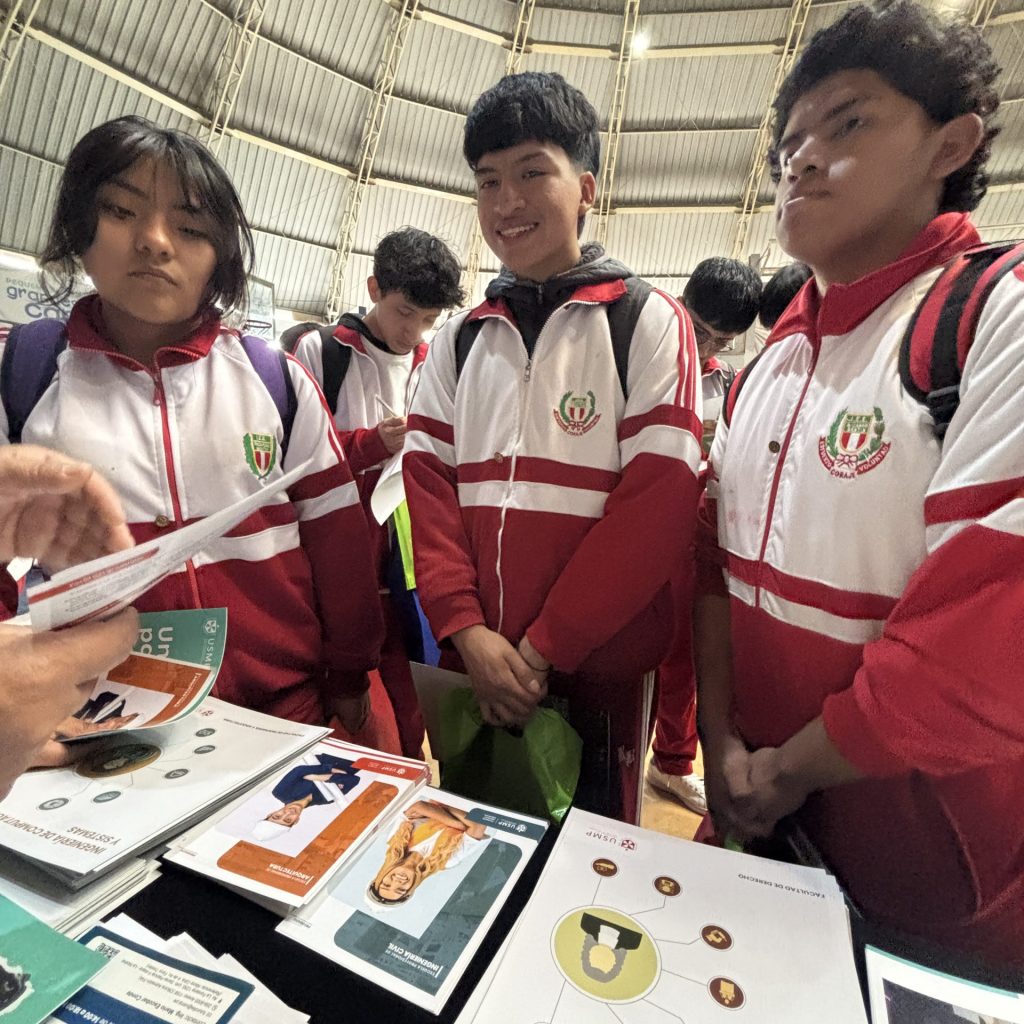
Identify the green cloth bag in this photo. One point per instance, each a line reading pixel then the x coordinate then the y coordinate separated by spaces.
pixel 533 770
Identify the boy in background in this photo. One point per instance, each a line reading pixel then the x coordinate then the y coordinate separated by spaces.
pixel 551 460
pixel 723 297
pixel 368 370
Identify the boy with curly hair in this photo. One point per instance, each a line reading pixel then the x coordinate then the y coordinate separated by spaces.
pixel 872 681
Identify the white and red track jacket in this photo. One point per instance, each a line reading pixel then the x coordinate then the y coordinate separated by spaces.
pixel 542 500
pixel 358 413
pixel 296 577
pixel 877 578
pixel 714 382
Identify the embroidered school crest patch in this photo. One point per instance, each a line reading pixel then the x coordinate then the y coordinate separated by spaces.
pixel 854 443
pixel 260 453
pixel 576 414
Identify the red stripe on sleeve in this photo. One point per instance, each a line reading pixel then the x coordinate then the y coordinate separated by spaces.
pixel 661 415
pixel 972 502
pixel 437 429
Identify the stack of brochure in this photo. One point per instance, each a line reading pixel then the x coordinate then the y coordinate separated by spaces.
pixel 282 842
pixel 632 925
pixel 64 910
pixel 144 978
pixel 131 792
pixel 411 910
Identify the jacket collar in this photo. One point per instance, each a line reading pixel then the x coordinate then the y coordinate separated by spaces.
pixel 85 332
pixel 601 294
pixel 845 306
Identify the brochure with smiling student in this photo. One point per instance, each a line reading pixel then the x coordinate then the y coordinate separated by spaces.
pixel 282 842
pixel 411 910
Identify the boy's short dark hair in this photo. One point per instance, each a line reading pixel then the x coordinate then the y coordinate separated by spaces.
pixel 780 291
pixel 112 147
pixel 537 105
pixel 419 266
pixel 946 67
pixel 724 293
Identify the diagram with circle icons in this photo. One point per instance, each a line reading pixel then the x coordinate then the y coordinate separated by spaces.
pixel 617 958
pixel 111 767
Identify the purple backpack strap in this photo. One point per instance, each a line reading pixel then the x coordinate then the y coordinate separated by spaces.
pixel 271 366
pixel 27 369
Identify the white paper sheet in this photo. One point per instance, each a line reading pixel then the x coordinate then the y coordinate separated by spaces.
pixel 104 586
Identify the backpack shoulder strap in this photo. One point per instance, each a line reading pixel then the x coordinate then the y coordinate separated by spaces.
pixel 290 338
pixel 336 359
pixel 464 341
pixel 938 338
pixel 735 385
pixel 271 366
pixel 623 315
pixel 27 369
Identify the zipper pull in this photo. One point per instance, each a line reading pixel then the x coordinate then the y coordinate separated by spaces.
pixel 529 368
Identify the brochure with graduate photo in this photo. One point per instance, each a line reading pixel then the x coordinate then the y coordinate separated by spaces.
pixel 172 668
pixel 283 841
pixel 414 906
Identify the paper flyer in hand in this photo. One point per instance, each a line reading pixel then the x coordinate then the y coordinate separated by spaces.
pixel 413 907
pixel 172 667
pixel 39 969
pixel 288 837
pixel 633 926
pixel 131 788
pixel 141 986
pixel 99 588
pixel 902 992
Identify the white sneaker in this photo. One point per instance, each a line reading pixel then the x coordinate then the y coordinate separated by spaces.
pixel 687 789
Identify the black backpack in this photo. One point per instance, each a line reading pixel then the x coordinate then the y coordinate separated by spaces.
pixel 940 333
pixel 336 357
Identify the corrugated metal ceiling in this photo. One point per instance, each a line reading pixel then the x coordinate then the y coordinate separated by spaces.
pixel 689 121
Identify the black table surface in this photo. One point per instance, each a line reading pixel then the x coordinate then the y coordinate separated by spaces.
pixel 224 922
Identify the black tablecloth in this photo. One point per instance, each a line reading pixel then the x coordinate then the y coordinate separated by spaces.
pixel 224 922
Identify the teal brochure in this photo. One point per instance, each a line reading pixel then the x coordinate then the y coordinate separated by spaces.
pixel 39 968
pixel 171 670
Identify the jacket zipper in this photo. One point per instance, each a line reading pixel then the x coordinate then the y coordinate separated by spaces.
pixel 160 400
pixel 523 404
pixel 779 464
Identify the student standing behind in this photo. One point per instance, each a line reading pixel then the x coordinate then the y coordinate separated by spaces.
pixel 181 417
pixel 874 680
pixel 780 291
pixel 722 297
pixel 551 460
pixel 415 279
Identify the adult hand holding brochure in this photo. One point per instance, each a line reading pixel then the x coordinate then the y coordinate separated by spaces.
pixel 104 586
pixel 172 668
